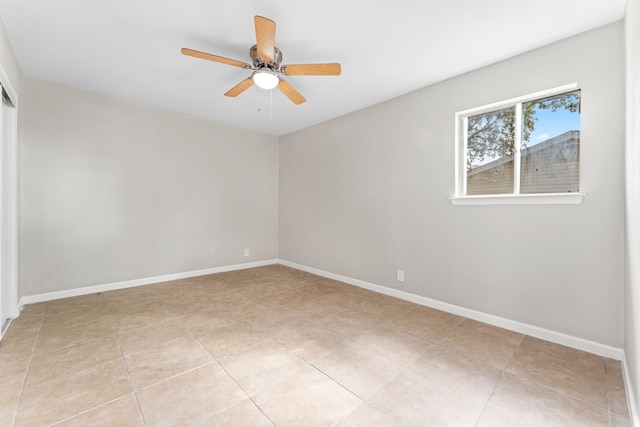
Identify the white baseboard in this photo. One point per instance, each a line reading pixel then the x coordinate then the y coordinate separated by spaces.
pixel 546 334
pixel 523 328
pixel 50 296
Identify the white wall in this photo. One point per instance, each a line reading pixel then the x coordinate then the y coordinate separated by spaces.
pixel 367 194
pixel 114 191
pixel 632 282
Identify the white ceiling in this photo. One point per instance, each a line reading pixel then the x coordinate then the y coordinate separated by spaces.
pixel 131 48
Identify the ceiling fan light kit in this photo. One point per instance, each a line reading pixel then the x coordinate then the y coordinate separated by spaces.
pixel 265 79
pixel 266 57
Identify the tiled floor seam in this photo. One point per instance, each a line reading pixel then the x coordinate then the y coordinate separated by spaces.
pixel 310 364
pixel 86 411
pixel 450 331
pixel 173 376
pixel 320 371
pixel 606 391
pixel 568 395
pixel 408 366
pixel 364 400
pixel 499 380
pixel 126 367
pixel 26 374
pixel 240 387
pixel 254 404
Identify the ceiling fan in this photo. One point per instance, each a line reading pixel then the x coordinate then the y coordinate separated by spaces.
pixel 266 58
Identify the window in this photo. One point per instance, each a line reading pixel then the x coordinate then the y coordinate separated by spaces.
pixel 523 148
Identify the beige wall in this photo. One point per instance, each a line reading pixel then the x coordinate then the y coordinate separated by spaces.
pixel 632 282
pixel 114 191
pixel 367 194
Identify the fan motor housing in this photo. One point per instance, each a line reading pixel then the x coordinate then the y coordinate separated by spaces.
pixel 261 63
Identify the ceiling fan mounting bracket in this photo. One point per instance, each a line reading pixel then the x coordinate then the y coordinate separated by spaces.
pixel 259 63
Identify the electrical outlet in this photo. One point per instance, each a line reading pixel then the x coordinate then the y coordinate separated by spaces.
pixel 246 252
pixel 400 276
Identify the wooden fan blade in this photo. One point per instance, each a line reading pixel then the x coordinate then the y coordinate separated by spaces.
pixel 240 87
pixel 265 37
pixel 216 58
pixel 291 93
pixel 311 69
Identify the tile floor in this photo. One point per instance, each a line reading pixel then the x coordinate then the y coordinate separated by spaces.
pixel 276 346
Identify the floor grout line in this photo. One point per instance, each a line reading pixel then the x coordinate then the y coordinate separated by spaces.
pixel 26 375
pixel 126 367
pixel 504 371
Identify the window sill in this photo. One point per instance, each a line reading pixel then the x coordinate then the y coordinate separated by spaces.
pixel 521 199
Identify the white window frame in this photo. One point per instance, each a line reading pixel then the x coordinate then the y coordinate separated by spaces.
pixel 460 197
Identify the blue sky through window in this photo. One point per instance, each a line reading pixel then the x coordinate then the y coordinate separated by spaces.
pixel 553 123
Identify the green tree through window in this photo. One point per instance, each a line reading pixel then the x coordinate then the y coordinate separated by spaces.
pixel 491 136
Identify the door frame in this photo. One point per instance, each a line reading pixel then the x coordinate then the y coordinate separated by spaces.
pixel 9 308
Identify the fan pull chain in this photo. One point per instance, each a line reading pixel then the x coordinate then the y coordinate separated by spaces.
pixel 271 109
